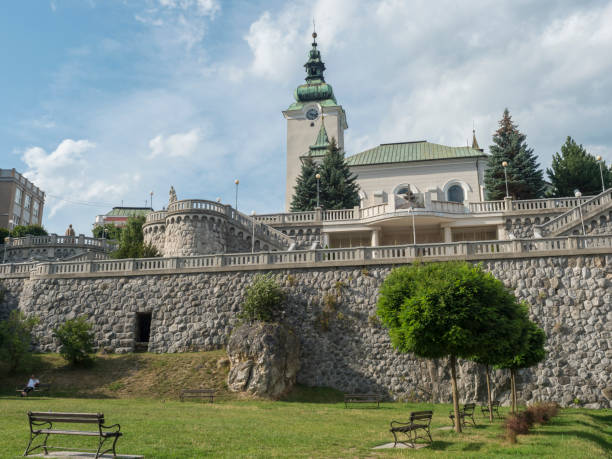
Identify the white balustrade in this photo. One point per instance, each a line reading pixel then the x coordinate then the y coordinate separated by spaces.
pixel 406 253
pixel 485 207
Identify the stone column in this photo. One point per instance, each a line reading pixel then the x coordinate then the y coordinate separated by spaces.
pixel 448 234
pixel 375 237
pixel 501 232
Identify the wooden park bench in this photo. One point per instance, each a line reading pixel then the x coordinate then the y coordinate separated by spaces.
pixel 466 412
pixel 362 398
pixel 40 389
pixel 494 407
pixel 419 420
pixel 198 393
pixel 43 423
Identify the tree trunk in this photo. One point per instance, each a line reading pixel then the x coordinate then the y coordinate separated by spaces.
pixel 488 373
pixel 513 388
pixel 453 363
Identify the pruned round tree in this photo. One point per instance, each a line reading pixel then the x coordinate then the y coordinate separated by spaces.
pixel 505 337
pixel 531 353
pixel 445 310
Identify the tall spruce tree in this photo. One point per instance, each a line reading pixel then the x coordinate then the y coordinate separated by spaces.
pixel 524 174
pixel 574 168
pixel 339 188
pixel 305 194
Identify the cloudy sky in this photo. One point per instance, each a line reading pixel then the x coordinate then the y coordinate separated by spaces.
pixel 102 102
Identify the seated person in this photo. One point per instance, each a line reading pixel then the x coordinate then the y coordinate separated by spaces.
pixel 32 383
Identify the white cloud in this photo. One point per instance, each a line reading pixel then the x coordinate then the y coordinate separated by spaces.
pixel 71 173
pixel 176 145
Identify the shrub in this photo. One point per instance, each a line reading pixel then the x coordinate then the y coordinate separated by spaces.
pixel 16 338
pixel 76 340
pixel 541 413
pixel 264 300
pixel 516 424
pixel 24 230
pixel 520 423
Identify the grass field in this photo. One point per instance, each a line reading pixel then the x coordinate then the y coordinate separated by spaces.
pixel 309 423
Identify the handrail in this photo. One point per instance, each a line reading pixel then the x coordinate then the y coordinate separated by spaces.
pixel 262 230
pixel 55 240
pixel 392 254
pixel 572 216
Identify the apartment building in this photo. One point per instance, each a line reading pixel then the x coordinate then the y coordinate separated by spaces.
pixel 21 202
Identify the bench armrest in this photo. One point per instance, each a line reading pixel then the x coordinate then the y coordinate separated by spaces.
pixel 111 427
pixel 399 423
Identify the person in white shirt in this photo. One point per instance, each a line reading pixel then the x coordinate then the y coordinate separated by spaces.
pixel 32 383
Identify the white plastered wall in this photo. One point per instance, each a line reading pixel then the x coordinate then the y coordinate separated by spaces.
pixel 431 176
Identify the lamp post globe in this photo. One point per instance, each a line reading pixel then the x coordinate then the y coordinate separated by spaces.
pixel 236 182
pixel 318 177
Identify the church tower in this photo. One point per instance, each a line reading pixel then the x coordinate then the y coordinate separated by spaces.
pixel 305 129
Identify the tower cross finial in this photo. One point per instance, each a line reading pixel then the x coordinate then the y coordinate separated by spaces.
pixel 314 32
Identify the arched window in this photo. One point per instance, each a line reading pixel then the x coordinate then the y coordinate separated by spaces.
pixel 455 194
pixel 403 190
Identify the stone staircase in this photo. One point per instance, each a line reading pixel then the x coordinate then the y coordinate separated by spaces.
pixel 596 214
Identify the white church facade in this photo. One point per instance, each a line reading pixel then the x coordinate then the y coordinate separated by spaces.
pixel 439 177
pixel 410 193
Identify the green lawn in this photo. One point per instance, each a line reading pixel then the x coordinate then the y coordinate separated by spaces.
pixel 233 428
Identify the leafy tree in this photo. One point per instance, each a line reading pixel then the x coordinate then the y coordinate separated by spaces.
pixel 305 195
pixel 34 230
pixel 442 310
pixel 107 231
pixel 264 301
pixel 76 340
pixel 131 241
pixel 4 233
pixel 339 189
pixel 15 338
pixel 574 168
pixel 504 332
pixel 531 353
pixel 524 175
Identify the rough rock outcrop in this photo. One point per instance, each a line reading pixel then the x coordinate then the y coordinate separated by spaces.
pixel 264 359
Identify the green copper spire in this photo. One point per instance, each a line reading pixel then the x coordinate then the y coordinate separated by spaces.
pixel 315 89
pixel 314 66
pixel 322 142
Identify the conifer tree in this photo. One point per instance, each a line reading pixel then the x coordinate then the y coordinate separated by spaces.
pixel 305 194
pixel 574 168
pixel 524 175
pixel 339 188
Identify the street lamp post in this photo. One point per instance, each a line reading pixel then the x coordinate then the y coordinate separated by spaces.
pixel 413 225
pixel 603 186
pixel 151 194
pixel 318 177
pixel 505 165
pixel 237 182
pixel 578 194
pixel 253 235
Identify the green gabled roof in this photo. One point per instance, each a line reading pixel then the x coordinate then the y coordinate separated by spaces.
pixel 129 211
pixel 410 151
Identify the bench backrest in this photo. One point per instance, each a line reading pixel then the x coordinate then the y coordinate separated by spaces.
pixel 197 391
pixel 469 407
pixel 77 418
pixel 421 416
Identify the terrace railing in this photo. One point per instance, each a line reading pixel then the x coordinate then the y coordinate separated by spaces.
pixel 572 217
pixel 300 258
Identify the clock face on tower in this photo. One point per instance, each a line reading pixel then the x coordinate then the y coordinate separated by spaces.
pixel 312 114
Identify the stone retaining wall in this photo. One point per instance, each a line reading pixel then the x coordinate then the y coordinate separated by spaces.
pixel 344 346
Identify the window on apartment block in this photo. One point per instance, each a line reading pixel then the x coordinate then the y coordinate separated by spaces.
pixel 18 196
pixel 28 202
